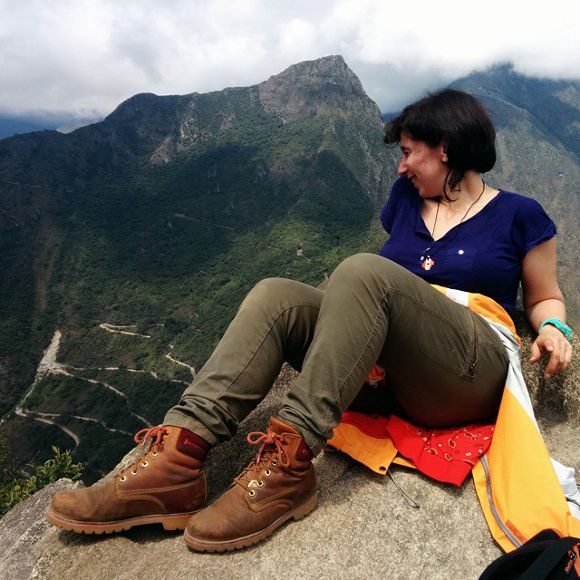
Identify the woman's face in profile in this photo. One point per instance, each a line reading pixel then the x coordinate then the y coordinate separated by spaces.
pixel 423 166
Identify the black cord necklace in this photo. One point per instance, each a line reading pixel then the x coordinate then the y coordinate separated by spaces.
pixel 427 261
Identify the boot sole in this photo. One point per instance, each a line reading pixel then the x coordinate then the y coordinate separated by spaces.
pixel 298 513
pixel 170 522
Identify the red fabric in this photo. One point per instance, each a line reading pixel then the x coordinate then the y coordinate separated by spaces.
pixel 376 375
pixel 372 425
pixel 446 455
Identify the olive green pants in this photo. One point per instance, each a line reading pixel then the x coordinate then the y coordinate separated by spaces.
pixel 445 365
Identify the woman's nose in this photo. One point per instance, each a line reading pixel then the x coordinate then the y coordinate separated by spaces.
pixel 402 168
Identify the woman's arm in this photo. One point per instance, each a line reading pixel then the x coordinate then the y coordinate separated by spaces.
pixel 543 299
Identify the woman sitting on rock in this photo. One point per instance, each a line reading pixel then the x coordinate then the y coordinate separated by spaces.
pixel 445 364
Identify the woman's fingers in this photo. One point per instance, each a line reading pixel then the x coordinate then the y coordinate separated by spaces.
pixel 560 356
pixel 554 360
pixel 558 349
pixel 536 352
pixel 568 354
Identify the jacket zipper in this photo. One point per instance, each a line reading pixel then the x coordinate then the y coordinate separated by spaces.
pixel 494 511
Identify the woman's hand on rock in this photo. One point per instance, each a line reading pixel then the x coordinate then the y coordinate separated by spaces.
pixel 552 342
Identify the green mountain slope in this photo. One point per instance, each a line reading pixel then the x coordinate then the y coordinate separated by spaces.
pixel 554 105
pixel 160 219
pixel 136 238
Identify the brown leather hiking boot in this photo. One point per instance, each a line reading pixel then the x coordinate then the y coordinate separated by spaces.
pixel 277 486
pixel 164 486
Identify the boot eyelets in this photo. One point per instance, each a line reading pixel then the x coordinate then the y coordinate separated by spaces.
pixel 267 473
pixel 274 462
pixel 155 453
pixel 252 493
pixel 144 463
pixel 123 478
pixel 134 472
pixel 260 484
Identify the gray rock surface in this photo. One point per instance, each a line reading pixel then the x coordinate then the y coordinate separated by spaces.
pixel 23 528
pixel 364 527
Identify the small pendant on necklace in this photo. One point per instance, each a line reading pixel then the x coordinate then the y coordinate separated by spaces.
pixel 428 263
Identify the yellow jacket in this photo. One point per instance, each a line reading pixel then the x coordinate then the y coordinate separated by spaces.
pixel 519 487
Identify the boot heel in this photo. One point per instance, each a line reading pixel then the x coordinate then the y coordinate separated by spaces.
pixel 177 523
pixel 307 507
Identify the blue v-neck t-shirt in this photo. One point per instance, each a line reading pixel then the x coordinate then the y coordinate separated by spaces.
pixel 482 254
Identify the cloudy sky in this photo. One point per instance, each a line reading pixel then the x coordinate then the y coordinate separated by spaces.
pixel 83 57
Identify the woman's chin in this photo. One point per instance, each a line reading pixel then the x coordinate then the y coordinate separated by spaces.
pixel 414 184
pixel 426 194
pixel 423 193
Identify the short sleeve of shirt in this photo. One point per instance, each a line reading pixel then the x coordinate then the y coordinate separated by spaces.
pixel 531 226
pixel 390 208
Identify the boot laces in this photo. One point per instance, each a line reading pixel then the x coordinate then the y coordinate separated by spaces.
pixel 155 433
pixel 271 447
pixel 271 443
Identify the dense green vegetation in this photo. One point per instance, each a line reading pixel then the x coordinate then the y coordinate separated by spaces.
pixel 14 489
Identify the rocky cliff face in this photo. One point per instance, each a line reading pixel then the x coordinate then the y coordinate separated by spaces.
pixel 329 87
pixel 311 87
pixel 306 92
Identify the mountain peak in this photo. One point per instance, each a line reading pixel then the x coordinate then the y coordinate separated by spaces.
pixel 331 70
pixel 140 105
pixel 306 87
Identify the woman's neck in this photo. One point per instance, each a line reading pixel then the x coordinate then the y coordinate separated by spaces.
pixel 470 190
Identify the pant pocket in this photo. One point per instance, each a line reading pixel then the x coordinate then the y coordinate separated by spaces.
pixel 450 345
pixel 469 371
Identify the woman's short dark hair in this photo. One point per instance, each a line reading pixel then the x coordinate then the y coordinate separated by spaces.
pixel 455 119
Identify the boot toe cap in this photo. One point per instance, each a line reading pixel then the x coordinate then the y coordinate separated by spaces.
pixel 66 503
pixel 209 526
pixel 202 528
pixel 74 504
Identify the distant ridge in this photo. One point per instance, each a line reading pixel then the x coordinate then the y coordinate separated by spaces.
pixel 555 105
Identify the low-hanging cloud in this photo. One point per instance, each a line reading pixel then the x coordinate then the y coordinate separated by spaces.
pixel 83 57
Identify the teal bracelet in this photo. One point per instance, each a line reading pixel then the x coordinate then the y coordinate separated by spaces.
pixel 565 330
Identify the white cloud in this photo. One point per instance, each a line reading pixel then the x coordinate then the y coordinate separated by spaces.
pixel 85 56
pixel 298 37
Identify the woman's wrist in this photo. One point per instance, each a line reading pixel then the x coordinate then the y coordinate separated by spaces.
pixel 557 323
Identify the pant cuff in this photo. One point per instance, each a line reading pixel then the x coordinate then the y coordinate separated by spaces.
pixel 315 444
pixel 177 419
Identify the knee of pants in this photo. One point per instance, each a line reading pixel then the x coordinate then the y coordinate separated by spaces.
pixel 361 268
pixel 268 293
